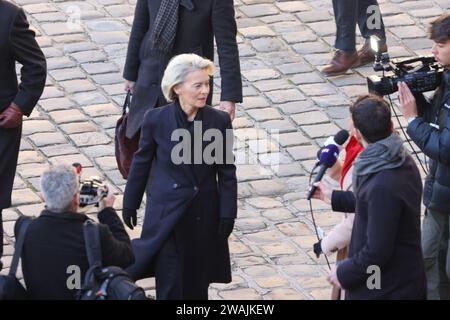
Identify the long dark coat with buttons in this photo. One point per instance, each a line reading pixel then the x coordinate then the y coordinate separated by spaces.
pixel 17 44
pixel 183 203
pixel 196 30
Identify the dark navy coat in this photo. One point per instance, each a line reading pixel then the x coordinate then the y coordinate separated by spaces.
pixel 176 192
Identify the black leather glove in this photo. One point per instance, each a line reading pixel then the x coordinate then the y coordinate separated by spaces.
pixel 317 247
pixel 129 217
pixel 226 227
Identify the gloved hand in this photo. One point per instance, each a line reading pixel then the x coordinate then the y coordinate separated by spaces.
pixel 317 247
pixel 226 227
pixel 129 217
pixel 11 117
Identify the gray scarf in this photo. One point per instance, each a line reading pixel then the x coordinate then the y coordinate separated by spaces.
pixel 165 26
pixel 381 155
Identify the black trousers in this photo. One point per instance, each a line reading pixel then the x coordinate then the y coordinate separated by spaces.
pixel 347 14
pixel 172 282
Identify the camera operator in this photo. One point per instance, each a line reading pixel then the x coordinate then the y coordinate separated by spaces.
pixel 386 201
pixel 429 128
pixel 54 241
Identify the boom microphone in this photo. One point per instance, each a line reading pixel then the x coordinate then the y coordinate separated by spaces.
pixel 328 157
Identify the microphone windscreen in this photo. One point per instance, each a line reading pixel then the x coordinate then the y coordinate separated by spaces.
pixel 329 155
pixel 341 137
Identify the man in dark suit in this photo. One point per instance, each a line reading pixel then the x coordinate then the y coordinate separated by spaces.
pixel 385 256
pixel 17 43
pixel 165 28
pixel 54 259
pixel 348 13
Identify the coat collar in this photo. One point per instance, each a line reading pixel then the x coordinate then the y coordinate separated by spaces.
pixel 64 215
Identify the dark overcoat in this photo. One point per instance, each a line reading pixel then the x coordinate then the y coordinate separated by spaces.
pixel 196 31
pixel 206 195
pixel 386 236
pixel 17 44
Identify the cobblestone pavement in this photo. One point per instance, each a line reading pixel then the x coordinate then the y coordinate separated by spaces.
pixel 283 45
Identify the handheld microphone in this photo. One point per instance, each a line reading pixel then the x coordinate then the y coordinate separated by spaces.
pixel 327 157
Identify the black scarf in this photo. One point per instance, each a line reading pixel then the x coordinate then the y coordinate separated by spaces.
pixel 183 123
pixel 165 26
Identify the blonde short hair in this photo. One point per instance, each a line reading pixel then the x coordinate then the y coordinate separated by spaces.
pixel 177 70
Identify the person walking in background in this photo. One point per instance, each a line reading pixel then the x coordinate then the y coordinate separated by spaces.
pixel 165 28
pixel 192 202
pixel 348 13
pixel 17 44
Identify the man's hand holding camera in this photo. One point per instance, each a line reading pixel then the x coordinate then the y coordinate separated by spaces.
pixel 408 105
pixel 108 200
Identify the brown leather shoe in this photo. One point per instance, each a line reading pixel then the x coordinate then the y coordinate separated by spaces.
pixel 341 62
pixel 366 55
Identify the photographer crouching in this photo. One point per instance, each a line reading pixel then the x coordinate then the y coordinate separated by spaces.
pixel 429 128
pixel 54 243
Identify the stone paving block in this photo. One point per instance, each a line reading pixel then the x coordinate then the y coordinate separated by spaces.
pixel 99 151
pixel 397 20
pixel 50 17
pixel 271 85
pixel 297 107
pixel 293 6
pixel 294 68
pixel 112 37
pixel 257 32
pixel 35 126
pixel 331 101
pixel 283 96
pixel 264 203
pixel 277 249
pixel 317 89
pixel 59 63
pixel 277 18
pixel 246 172
pixel 277 214
pixel 299 36
pixel 237 247
pixel 249 224
pixel 24 196
pixel 258 10
pixel 71 158
pixel 55 104
pixel 107 121
pixel 285 294
pixel 264 114
pixel 267 44
pixel 99 67
pixel 271 282
pixel 52 92
pixel 247 23
pixel 408 32
pixel 106 163
pixel 89 98
pixel 78 127
pixel 240 294
pixel 302 152
pixel 60 149
pixel 74 86
pixel 260 74
pixel 108 78
pixel 320 130
pixel 260 271
pixel 310 117
pixel 29 157
pixel 120 10
pixel 67 116
pixel 310 48
pixel 45 139
pixel 268 187
pixel 78 47
pixel 88 56
pixel 279 125
pixel 323 28
pixel 291 229
pixel 67 74
pixel 101 110
pixel 90 139
pixel 59 28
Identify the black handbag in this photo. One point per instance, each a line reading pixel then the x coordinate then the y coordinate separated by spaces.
pixel 10 286
pixel 124 147
pixel 105 283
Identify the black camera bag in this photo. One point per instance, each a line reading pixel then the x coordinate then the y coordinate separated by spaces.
pixel 109 283
pixel 10 286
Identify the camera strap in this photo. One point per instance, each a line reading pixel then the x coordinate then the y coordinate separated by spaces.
pixel 92 241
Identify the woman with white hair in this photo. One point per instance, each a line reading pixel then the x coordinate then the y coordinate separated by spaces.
pixel 192 200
